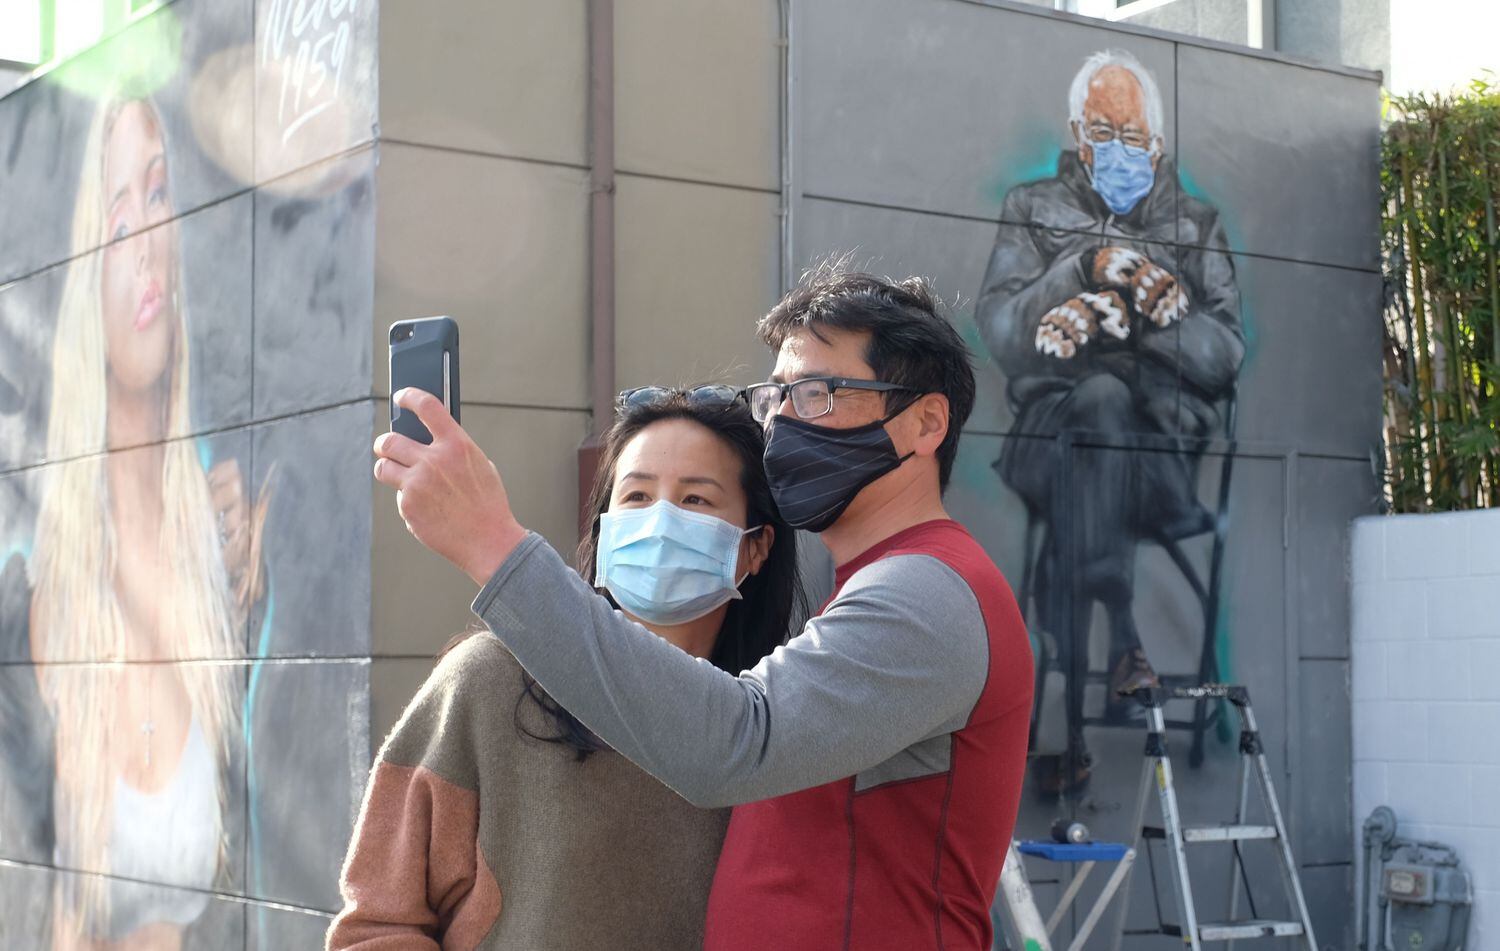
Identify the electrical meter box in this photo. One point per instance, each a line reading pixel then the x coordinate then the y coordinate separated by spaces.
pixel 1418 898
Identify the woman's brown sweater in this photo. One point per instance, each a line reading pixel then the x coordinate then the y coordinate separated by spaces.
pixel 474 835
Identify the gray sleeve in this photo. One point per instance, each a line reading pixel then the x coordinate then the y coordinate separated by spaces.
pixel 900 656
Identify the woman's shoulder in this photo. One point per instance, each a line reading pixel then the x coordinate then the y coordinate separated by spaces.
pixel 474 673
pixel 476 682
pixel 477 655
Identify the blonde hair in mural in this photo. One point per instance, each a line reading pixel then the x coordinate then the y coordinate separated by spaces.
pixel 76 613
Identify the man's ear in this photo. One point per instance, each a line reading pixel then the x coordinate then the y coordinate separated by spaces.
pixel 932 423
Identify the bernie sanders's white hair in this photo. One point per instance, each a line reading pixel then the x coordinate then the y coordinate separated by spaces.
pixel 1079 91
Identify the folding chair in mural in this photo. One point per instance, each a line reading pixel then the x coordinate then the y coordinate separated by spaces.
pixel 1207 713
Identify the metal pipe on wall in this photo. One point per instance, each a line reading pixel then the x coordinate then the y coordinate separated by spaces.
pixel 788 77
pixel 601 30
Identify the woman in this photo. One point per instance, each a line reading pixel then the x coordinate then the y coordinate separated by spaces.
pixel 493 818
pixel 129 566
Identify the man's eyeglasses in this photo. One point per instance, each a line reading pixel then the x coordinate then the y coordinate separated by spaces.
pixel 811 397
pixel 1102 132
pixel 712 394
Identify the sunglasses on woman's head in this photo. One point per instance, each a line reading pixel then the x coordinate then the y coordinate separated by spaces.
pixel 712 394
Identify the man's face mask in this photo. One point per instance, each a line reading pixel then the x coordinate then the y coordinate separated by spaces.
pixel 816 471
pixel 1122 174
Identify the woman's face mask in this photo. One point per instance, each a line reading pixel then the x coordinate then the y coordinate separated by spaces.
pixel 666 565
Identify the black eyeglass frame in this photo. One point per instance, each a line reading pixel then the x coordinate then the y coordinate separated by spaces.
pixel 834 383
pixel 707 394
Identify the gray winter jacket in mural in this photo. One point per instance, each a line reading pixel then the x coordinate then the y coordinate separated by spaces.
pixel 1158 384
pixel 1039 265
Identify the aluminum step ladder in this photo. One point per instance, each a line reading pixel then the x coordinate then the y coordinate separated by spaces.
pixel 1158 768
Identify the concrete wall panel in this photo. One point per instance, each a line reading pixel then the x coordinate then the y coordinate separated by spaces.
pixel 722 124
pixel 183 58
pixel 28 321
pixel 68 485
pixel 212 248
pixel 695 267
pixel 1331 493
pixel 313 472
pixel 315 82
pixel 1312 370
pixel 950 252
pixel 1321 779
pixel 216 295
pixel 871 70
pixel 419 599
pixel 1327 889
pixel 309 758
pixel 25 903
pixel 501 247
pixel 314 286
pixel 1253 130
pixel 513 80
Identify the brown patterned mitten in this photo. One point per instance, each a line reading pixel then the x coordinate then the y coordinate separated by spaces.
pixel 1151 289
pixel 1078 320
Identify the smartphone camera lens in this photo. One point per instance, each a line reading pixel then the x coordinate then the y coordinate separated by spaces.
pixel 400 333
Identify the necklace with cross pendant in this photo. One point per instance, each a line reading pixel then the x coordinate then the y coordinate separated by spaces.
pixel 148 725
pixel 148 728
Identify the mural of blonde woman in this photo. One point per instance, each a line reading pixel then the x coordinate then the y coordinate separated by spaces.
pixel 142 561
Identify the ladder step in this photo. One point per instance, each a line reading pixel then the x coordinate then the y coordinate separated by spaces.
pixel 1254 928
pixel 1225 833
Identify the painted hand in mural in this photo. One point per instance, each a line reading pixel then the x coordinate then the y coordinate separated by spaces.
pixel 448 493
pixel 1151 289
pixel 226 486
pixel 1073 323
pixel 241 531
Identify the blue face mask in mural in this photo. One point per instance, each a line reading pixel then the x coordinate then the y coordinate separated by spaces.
pixel 1122 174
pixel 665 565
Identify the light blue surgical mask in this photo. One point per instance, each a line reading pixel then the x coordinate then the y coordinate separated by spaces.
pixel 1122 174
pixel 666 565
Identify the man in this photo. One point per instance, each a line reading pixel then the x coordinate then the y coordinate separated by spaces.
pixel 1110 304
pixel 881 751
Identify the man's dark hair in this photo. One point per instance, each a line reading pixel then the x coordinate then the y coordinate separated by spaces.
pixel 911 342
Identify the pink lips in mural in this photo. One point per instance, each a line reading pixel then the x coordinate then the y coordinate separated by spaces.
pixel 150 306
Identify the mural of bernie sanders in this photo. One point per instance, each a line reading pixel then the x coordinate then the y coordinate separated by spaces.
pixel 1110 305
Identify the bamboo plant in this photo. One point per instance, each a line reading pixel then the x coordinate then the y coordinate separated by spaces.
pixel 1440 178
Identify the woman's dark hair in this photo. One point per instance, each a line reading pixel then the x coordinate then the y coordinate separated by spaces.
pixel 773 599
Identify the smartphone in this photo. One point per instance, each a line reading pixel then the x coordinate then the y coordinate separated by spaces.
pixel 424 354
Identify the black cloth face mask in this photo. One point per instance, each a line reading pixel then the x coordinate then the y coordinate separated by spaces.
pixel 816 471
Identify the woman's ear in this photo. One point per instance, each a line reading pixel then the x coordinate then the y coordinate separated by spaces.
pixel 760 547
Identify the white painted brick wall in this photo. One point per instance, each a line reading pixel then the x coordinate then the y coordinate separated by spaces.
pixel 1425 671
